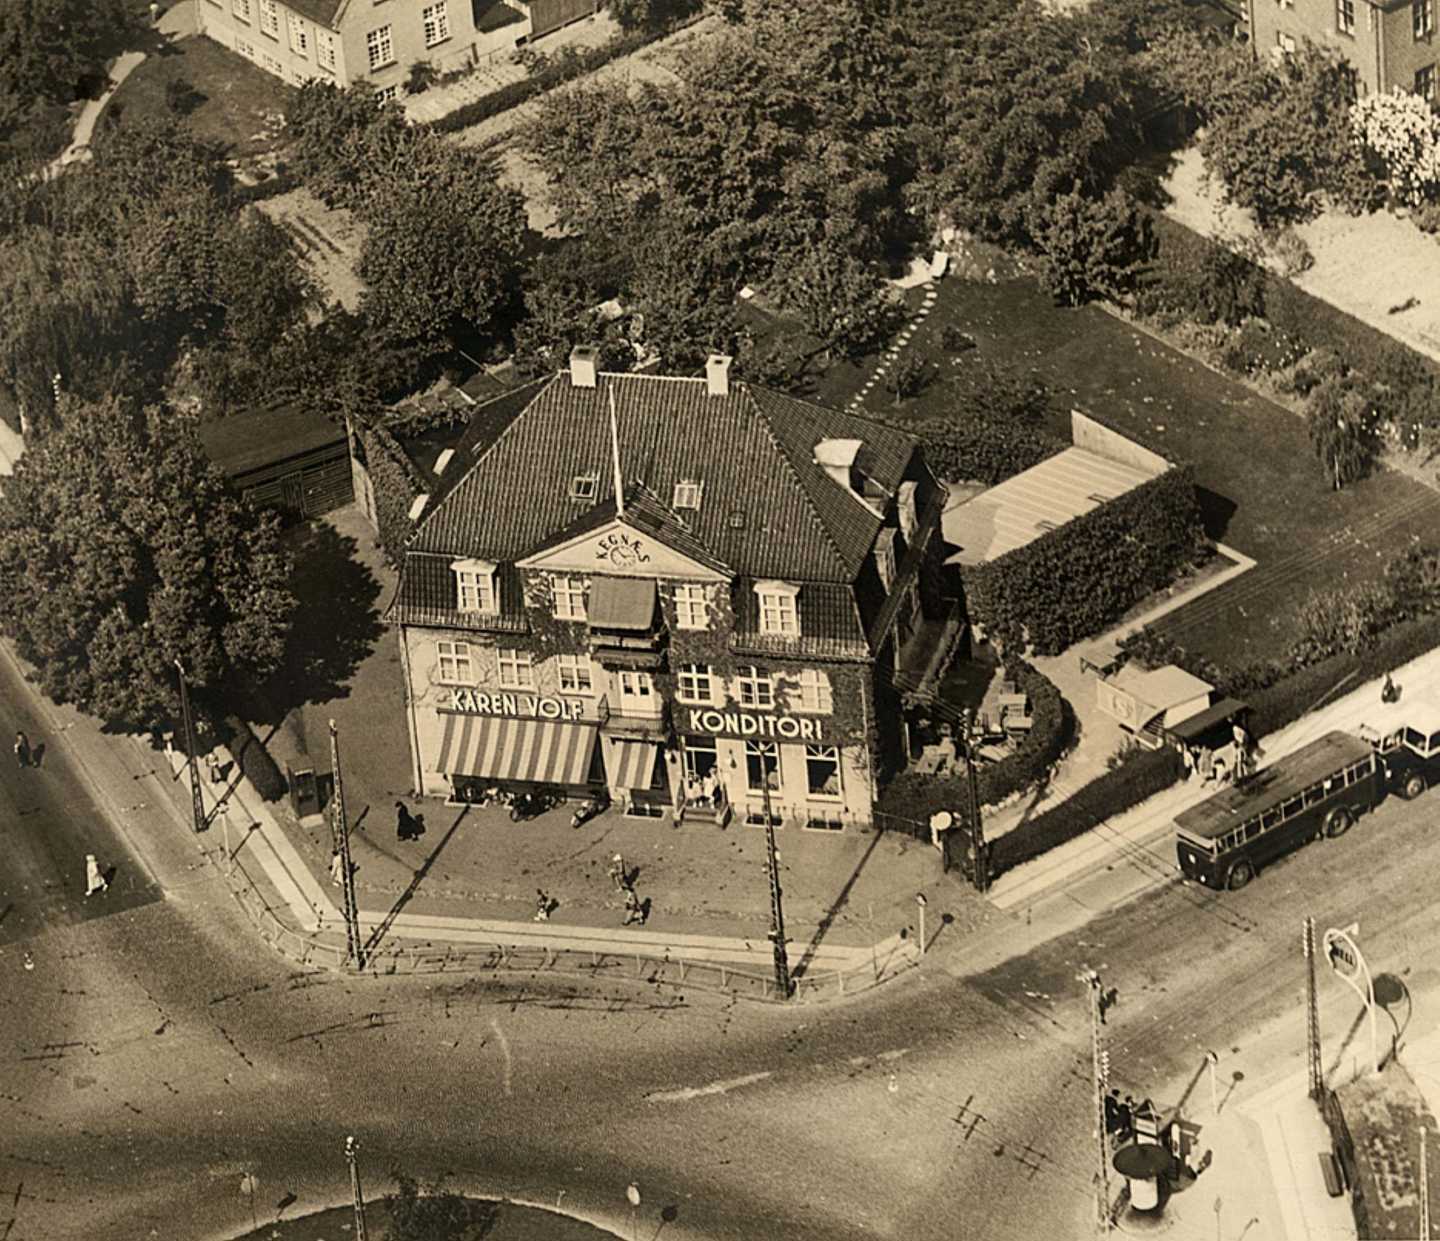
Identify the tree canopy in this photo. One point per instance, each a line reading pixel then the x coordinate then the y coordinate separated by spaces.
pixel 122 550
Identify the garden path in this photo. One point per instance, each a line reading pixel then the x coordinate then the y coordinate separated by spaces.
pixel 1368 266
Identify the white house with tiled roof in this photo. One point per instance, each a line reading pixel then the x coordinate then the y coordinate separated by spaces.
pixel 693 593
pixel 376 41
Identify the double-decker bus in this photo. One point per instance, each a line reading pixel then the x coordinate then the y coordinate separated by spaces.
pixel 1319 790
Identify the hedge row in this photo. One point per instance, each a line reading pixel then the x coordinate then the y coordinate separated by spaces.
pixel 397 481
pixel 1079 579
pixel 254 759
pixel 556 72
pixel 916 797
pixel 1141 776
pixel 1290 309
pixel 981 449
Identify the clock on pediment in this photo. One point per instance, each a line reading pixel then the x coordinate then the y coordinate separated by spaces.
pixel 620 551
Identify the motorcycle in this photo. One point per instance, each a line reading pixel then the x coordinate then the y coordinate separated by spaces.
pixel 589 808
pixel 531 804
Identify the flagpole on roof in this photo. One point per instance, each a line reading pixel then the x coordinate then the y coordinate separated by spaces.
pixel 615 450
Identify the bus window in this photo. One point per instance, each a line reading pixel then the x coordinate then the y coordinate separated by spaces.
pixel 1271 819
pixel 1291 807
pixel 1316 792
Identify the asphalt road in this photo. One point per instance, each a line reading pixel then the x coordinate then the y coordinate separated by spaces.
pixel 48 823
pixel 155 1058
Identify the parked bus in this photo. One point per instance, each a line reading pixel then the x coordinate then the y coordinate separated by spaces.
pixel 1319 790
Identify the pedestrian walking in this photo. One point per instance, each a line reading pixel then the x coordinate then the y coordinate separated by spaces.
pixel 22 749
pixel 94 880
pixel 337 868
pixel 617 872
pixel 212 768
pixel 1389 692
pixel 154 13
pixel 634 907
pixel 542 905
pixel 404 822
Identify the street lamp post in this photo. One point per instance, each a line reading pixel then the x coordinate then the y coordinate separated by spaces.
pixel 1211 1059
pixel 772 862
pixel 632 1196
pixel 197 805
pixel 981 873
pixel 920 901
pixel 352 1149
pixel 1100 1076
pixel 1349 966
pixel 341 829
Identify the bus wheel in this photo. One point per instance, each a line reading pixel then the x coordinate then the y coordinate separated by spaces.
pixel 1337 822
pixel 1240 874
pixel 1414 786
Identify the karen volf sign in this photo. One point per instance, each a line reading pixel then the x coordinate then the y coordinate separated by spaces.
pixel 525 706
pixel 744 724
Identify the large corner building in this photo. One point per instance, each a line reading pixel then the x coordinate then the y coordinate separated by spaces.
pixel 687 592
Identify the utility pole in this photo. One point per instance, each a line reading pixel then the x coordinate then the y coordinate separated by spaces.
pixel 1424 1189
pixel 1312 1015
pixel 352 1149
pixel 341 829
pixel 1100 1071
pixel 772 862
pixel 976 829
pixel 197 806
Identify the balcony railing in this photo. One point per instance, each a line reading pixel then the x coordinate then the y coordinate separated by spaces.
pixel 637 720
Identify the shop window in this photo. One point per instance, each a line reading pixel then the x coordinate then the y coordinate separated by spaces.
pixel 815 692
pixel 779 614
pixel 695 683
pixel 691 609
pixel 822 770
pixel 475 587
pixel 456 667
pixel 576 675
pixel 516 669
pixel 701 759
pixel 762 766
pixel 757 689
pixel 570 598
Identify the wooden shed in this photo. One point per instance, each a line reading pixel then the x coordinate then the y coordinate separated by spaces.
pixel 283 458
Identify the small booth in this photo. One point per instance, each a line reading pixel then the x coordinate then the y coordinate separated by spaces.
pixel 1143 1165
pixel 1169 706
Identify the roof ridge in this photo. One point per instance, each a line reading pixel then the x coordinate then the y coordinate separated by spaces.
pixel 784 454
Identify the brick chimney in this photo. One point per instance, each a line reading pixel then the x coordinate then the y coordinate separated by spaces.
pixel 584 366
pixel 717 374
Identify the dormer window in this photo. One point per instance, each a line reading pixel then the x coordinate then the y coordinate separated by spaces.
pixel 779 613
pixel 692 611
pixel 687 494
pixel 885 556
pixel 584 486
pixel 475 587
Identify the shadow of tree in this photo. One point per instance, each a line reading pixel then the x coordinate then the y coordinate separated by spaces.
pixel 337 623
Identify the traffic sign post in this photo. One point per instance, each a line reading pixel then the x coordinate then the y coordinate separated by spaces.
pixel 1349 966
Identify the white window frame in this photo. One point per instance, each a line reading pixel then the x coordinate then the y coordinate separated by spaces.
pixel 757 688
pixel 387 94
pixel 779 609
pixel 270 19
pixel 636 693
pixel 824 754
pixel 476 590
pixel 817 695
pixel 1422 16
pixel 456 665
pixel 1345 16
pixel 688 494
pixel 763 750
pixel 692 607
pixel 299 34
pixel 380 47
pixel 325 50
pixel 575 674
pixel 515 668
pixel 245 48
pixel 1425 74
pixel 569 595
pixel 268 62
pixel 695 683
pixel 437 16
pixel 585 486
pixel 241 9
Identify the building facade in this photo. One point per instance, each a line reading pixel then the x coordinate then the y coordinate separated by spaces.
pixel 690 593
pixel 375 41
pixel 1389 43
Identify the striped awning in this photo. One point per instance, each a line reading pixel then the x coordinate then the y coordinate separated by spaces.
pixel 501 748
pixel 632 764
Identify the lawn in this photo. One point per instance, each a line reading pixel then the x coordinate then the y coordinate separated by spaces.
pixel 236 104
pixel 1262 490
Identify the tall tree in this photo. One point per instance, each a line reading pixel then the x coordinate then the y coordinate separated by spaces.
pixel 122 550
pixel 48 46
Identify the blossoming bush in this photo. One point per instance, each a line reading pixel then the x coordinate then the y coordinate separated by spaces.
pixel 1401 133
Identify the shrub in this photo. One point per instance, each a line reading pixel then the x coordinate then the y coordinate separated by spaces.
pixel 954 339
pixel 1292 254
pixel 254 759
pixel 1343 424
pixel 1089 247
pixel 910 376
pixel 421 78
pixel 1402 134
pixel 1340 619
pixel 1077 580
pixel 1140 776
pixel 1427 217
pixel 181 97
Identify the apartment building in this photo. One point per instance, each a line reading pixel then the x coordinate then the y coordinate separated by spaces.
pixel 1390 43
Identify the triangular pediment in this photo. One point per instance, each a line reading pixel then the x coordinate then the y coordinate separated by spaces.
pixel 619 549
